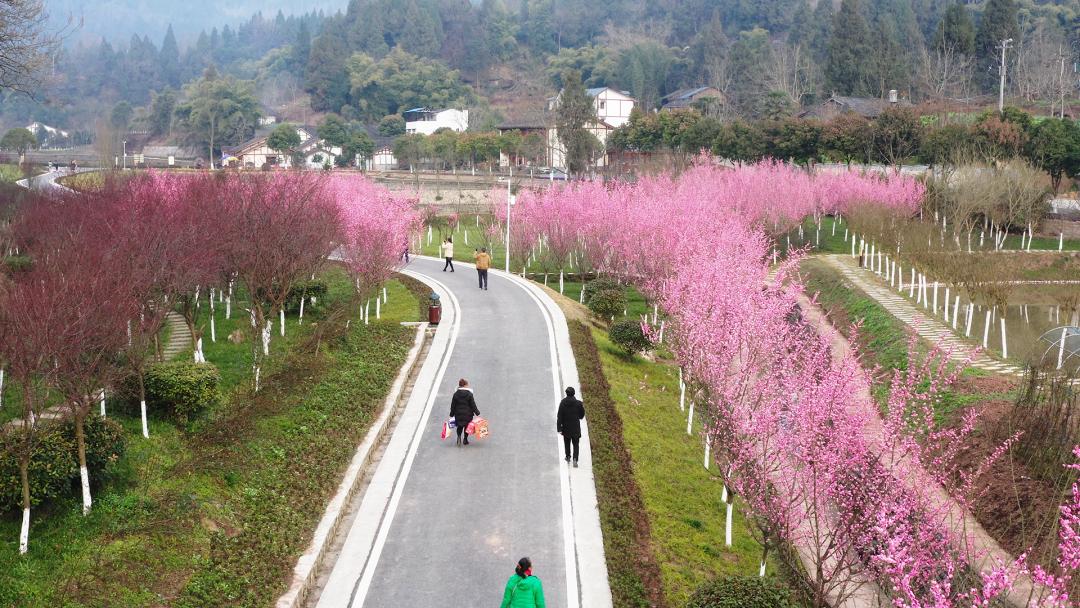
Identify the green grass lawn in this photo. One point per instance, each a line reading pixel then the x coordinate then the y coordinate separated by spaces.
pixel 10 173
pixel 883 339
pixel 217 515
pixel 681 497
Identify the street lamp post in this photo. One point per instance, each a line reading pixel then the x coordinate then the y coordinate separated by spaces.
pixel 509 201
pixel 125 154
pixel 1001 89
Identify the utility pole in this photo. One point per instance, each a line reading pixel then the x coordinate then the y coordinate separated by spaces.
pixel 1001 90
pixel 509 201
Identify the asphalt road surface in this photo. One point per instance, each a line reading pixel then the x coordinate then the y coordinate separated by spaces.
pixel 466 514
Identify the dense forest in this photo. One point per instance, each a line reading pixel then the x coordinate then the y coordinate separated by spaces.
pixel 379 55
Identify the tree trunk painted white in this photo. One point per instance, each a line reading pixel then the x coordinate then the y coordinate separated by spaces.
pixel 1004 342
pixel 660 338
pixel 982 235
pixel 228 302
pixel 761 570
pixel 581 294
pixel 301 321
pixel 378 308
pixel 367 311
pixel 429 235
pixel 198 353
pixel 1061 347
pixel 682 393
pixel 24 533
pixel 911 284
pixel 87 501
pixel 900 278
pixel 852 249
pixel 281 321
pixel 919 290
pixel 945 309
pixel 727 525
pixel 1061 241
pixel 102 403
pixel 560 282
pixel 466 237
pixel 213 329
pixel 268 329
pixel 935 297
pixel 1 387
pixel 129 333
pixel 834 228
pixel 258 373
pixel 970 318
pixel 1023 235
pixel 955 309
pixel 384 295
pixel 986 330
pixel 845 236
pixel 142 413
pixel 690 420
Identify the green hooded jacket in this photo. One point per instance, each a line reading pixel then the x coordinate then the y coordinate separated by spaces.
pixel 523 593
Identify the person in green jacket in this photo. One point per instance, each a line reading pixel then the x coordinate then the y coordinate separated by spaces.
pixel 523 590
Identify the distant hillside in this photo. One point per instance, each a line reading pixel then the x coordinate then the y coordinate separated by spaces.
pixel 117 20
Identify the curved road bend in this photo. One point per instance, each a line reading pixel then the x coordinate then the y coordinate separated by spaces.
pixel 443 526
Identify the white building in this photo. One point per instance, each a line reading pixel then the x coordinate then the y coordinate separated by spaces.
pixel 35 126
pixel 383 159
pixel 256 153
pixel 612 111
pixel 426 121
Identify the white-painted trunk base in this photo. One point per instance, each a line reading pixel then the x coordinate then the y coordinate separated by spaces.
pixel 761 570
pixel 727 526
pixel 24 533
pixel 102 403
pixel 301 321
pixel 281 320
pixel 690 420
pixel 87 502
pixel 378 308
pixel 142 412
pixel 213 329
pixel 267 331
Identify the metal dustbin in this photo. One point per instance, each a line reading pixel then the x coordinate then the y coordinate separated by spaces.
pixel 434 309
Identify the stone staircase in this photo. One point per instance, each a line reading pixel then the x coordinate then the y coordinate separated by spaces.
pixel 179 336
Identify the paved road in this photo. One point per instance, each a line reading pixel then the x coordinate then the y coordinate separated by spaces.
pixel 451 522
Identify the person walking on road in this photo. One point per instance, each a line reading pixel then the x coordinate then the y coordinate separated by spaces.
pixel 523 590
pixel 447 252
pixel 462 409
pixel 568 423
pixel 483 262
pixel 406 254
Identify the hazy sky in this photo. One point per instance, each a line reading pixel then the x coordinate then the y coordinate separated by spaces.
pixel 117 20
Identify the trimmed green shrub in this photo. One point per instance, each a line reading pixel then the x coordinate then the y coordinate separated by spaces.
pixel 627 335
pixel 18 263
pixel 608 303
pixel 740 592
pixel 54 462
pixel 597 285
pixel 183 389
pixel 302 289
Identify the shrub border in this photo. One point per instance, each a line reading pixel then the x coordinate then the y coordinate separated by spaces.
pixel 633 571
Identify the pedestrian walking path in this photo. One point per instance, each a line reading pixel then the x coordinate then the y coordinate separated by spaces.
pixel 928 327
pixel 441 525
pixel 179 336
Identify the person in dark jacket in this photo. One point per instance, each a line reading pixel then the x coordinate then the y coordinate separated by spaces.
pixel 523 590
pixel 568 423
pixel 462 409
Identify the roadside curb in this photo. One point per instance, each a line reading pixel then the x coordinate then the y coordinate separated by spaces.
pixel 309 565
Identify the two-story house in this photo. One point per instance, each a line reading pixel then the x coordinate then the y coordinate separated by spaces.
pixel 612 111
pixel 426 121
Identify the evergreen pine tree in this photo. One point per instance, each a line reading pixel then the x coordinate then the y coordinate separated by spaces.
pixel 850 62
pixel 956 31
pixel 302 46
pixel 326 79
pixel 169 59
pixel 998 23
pixel 572 117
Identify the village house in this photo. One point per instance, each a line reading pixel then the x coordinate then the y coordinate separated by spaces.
pixel 255 153
pixel 426 121
pixel 867 107
pixel 709 100
pixel 612 111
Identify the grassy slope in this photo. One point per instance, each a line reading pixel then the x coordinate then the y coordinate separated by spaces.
pixel 681 497
pixel 218 516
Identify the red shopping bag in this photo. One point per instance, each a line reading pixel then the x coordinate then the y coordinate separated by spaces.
pixel 480 427
pixel 445 430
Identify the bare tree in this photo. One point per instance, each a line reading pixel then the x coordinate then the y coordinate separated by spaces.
pixel 26 45
pixel 944 72
pixel 791 71
pixel 1039 62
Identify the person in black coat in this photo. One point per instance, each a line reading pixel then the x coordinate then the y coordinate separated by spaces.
pixel 462 409
pixel 568 423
